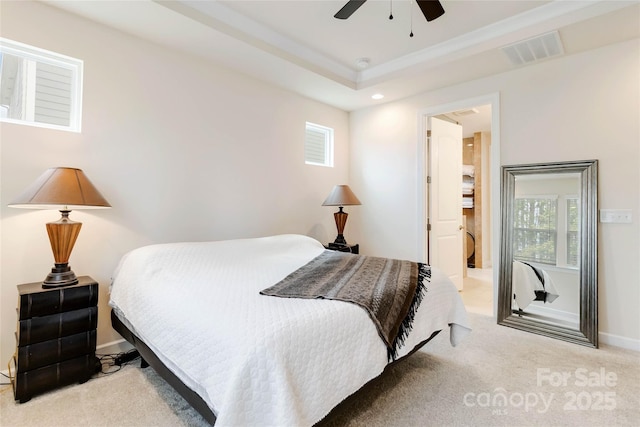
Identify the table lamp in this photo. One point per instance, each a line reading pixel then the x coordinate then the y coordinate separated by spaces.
pixel 63 189
pixel 341 196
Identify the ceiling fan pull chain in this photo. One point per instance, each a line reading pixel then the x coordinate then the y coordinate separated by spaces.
pixel 411 17
pixel 390 9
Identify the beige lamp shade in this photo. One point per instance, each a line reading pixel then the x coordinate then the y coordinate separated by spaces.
pixel 63 189
pixel 341 195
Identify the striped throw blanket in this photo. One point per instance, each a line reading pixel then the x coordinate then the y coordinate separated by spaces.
pixel 389 290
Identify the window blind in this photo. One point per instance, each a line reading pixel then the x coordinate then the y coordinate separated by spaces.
pixel 53 94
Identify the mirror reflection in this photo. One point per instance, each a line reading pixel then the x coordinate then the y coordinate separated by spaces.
pixel 546 243
pixel 548 263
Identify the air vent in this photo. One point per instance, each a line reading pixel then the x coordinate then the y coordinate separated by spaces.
pixel 534 49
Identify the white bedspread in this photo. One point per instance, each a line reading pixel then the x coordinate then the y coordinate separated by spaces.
pixel 525 283
pixel 255 359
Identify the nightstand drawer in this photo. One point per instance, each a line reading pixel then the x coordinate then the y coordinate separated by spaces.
pixel 29 383
pixel 34 300
pixel 44 353
pixel 38 329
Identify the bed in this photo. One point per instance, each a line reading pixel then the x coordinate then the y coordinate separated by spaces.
pixel 195 312
pixel 531 284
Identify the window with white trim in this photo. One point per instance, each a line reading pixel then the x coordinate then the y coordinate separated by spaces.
pixel 39 87
pixel 318 145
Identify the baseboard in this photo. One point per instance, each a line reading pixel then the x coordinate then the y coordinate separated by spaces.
pixel 114 347
pixel 618 341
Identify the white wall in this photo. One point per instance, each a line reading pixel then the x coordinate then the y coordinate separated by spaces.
pixel 182 150
pixel 579 107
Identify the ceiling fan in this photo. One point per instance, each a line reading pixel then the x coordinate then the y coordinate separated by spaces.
pixel 431 9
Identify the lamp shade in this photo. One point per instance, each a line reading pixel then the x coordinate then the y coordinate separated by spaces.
pixel 341 195
pixel 61 188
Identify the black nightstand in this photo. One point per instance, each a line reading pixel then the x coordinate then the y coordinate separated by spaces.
pixel 56 337
pixel 354 249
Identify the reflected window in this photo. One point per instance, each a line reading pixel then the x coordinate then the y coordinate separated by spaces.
pixel 573 234
pixel 546 230
pixel 535 229
pixel 39 87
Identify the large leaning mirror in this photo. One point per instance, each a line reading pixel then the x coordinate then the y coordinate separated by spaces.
pixel 548 255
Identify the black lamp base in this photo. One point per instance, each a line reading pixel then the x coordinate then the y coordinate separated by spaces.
pixel 340 240
pixel 60 276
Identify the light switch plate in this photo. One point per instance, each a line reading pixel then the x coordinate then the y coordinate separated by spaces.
pixel 622 216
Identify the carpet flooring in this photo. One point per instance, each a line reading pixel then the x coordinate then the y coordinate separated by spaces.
pixel 498 376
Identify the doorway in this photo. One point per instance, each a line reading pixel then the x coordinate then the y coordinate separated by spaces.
pixel 482 290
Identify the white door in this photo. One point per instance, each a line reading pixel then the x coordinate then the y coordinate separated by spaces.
pixel 445 198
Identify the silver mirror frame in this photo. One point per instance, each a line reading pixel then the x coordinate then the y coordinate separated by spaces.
pixel 588 333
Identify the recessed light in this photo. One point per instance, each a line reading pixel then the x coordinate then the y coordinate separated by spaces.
pixel 377 96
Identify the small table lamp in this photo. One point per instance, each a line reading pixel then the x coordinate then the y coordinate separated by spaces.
pixel 341 195
pixel 63 189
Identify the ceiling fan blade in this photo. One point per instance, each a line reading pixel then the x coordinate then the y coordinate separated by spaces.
pixel 431 9
pixel 348 9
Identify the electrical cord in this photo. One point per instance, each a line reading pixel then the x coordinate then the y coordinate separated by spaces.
pixel 112 363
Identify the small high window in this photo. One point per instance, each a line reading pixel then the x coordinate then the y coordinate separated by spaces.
pixel 39 87
pixel 318 145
